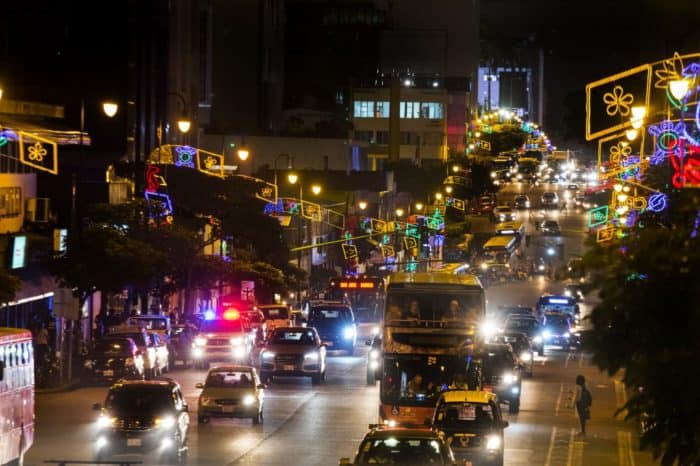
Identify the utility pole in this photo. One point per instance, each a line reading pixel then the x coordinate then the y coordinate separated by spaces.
pixel 540 90
pixel 394 119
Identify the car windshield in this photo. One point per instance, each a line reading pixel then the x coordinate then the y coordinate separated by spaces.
pixel 516 341
pixel 140 339
pixel 330 315
pixel 551 224
pixel 112 347
pixel 557 320
pixel 495 362
pixel 523 325
pixel 229 379
pixel 151 323
pixel 401 450
pixel 139 400
pixel 549 195
pixel 274 313
pixel 221 325
pixel 293 337
pixel 466 417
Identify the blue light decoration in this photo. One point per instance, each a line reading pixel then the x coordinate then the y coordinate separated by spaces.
pixel 184 156
pixel 633 172
pixel 696 225
pixel 657 202
pixel 164 199
pixel 667 134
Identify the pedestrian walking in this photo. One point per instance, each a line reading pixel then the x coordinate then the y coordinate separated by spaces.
pixel 41 343
pixel 582 400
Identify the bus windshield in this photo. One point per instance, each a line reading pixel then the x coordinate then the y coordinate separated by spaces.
pixel 422 306
pixel 418 379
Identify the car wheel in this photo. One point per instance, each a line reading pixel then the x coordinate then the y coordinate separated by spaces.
pixel 514 406
pixel 316 379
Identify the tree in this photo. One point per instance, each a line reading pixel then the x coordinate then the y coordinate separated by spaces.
pixel 506 137
pixel 647 325
pixel 9 286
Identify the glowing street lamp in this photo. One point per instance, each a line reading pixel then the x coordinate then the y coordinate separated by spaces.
pixel 362 205
pixel 448 189
pixel 316 189
pixel 243 154
pixel 419 206
pixel 109 108
pixel 184 125
pixel 456 168
pixel 292 178
pixel 438 196
pixel 678 88
pixel 399 212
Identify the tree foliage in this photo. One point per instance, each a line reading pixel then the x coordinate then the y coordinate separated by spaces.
pixel 647 325
pixel 9 286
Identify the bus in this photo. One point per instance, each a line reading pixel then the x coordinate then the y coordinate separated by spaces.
pixel 561 304
pixel 364 293
pixel 527 169
pixel 516 229
pixel 429 334
pixel 501 245
pixel 16 394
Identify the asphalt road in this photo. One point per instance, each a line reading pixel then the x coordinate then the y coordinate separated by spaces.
pixel 316 425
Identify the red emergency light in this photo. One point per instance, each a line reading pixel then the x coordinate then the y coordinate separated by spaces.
pixel 231 314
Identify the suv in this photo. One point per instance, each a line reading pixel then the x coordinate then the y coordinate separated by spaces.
pixel 500 374
pixel 140 415
pixel 232 392
pixel 335 323
pixel 227 339
pixel 112 358
pixel 145 345
pixel 472 424
pixel 503 213
pixel 550 200
pixel 294 352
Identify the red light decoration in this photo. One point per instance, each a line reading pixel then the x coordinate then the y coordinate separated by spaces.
pixel 686 166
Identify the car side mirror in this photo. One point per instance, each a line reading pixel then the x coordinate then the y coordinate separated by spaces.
pixel 344 461
pixel 504 424
pixel 199 385
pixel 97 407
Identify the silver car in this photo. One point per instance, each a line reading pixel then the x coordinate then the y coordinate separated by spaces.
pixel 293 352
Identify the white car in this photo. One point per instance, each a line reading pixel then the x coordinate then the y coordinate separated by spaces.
pixel 276 315
pixel 503 213
pixel 226 339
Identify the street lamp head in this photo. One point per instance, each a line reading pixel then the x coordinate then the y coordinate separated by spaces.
pixel 419 206
pixel 678 88
pixel 184 125
pixel 362 205
pixel 438 196
pixel 292 178
pixel 0 92
pixel 399 212
pixel 243 154
pixel 448 189
pixel 316 189
pixel 456 168
pixel 110 108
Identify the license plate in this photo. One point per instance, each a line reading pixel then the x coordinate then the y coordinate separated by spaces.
pixel 328 343
pixel 288 367
pixel 133 442
pixel 227 409
pixel 110 374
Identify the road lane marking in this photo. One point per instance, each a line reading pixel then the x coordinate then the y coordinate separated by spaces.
pixel 568 358
pixel 581 360
pixel 575 453
pixel 559 398
pixel 550 450
pixel 620 393
pixel 624 448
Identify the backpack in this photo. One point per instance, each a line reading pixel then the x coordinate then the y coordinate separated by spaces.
pixel 586 398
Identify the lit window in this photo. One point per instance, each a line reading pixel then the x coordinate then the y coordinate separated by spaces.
pixel 381 109
pixel 10 202
pixel 409 110
pixel 364 109
pixel 431 110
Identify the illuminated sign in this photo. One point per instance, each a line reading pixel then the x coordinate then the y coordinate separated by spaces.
pixel 558 301
pixel 60 235
pixel 19 252
pixel 354 284
pixel 598 216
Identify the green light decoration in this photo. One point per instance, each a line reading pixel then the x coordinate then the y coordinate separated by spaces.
pixel 411 265
pixel 598 216
pixel 412 231
pixel 386 239
pixel 348 236
pixel 3 141
pixel 436 221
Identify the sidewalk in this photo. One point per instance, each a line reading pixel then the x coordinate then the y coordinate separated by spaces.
pixel 75 383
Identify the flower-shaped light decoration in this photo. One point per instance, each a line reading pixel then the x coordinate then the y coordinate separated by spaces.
pixel 670 72
pixel 618 151
pixel 667 134
pixel 618 102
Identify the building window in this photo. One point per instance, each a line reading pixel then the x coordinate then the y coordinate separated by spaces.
pixel 432 138
pixel 382 137
pixel 381 109
pixel 409 110
pixel 409 138
pixel 365 136
pixel 431 110
pixel 364 109
pixel 10 202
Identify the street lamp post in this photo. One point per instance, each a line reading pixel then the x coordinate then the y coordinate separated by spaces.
pixel 184 123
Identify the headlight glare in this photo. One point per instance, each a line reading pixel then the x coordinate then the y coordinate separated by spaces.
pixel 526 356
pixel 268 355
pixel 200 341
pixel 248 400
pixel 236 341
pixel 311 356
pixel 493 442
pixel 166 422
pixel 105 421
pixel 348 333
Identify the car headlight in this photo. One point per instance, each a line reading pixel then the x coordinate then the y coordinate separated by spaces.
pixel 311 356
pixel 374 354
pixel 488 329
pixel 349 333
pixel 567 335
pixel 493 174
pixel 520 176
pixel 248 400
pixel 546 334
pixel 197 352
pixel 537 339
pixel 89 364
pixel 374 365
pixel 200 341
pixel 375 330
pixel 239 352
pixel 567 292
pixel 526 356
pixel 105 421
pixel 510 378
pixel 236 341
pixel 540 267
pixel 167 422
pixel 268 355
pixel 527 204
pixel 493 442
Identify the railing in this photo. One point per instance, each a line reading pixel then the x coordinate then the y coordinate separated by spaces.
pixel 67 462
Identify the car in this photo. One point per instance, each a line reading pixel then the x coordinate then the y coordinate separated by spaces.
pixel 485 204
pixel 402 446
pixel 153 323
pixel 145 344
pixel 255 320
pixel 539 267
pixel 549 200
pixel 232 392
pixel 550 228
pixel 572 187
pixel 142 416
pixel 504 311
pixel 181 338
pixel 335 323
pixel 521 202
pixel 374 359
pixel 558 329
pixel 161 351
pixel 293 352
pixel 501 374
pixel 472 423
pixel 575 291
pixel 112 358
pixel 522 347
pixel 226 339
pixel 275 315
pixel 503 213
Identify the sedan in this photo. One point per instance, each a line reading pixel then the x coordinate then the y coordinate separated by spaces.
pixel 503 213
pixel 550 200
pixel 521 202
pixel 112 358
pixel 232 392
pixel 551 227
pixel 293 352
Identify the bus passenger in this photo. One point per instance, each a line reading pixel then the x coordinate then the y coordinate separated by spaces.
pixel 454 313
pixel 413 313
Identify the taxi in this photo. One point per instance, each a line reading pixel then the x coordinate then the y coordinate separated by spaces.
pixel 472 425
pixel 388 444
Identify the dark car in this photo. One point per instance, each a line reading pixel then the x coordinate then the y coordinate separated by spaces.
pixel 374 360
pixel 181 339
pixel 574 291
pixel 485 204
pixel 335 323
pixel 402 446
pixel 500 374
pixel 141 416
pixel 523 349
pixel 293 352
pixel 521 202
pixel 550 228
pixel 473 426
pixel 112 358
pixel 557 330
pixel 529 326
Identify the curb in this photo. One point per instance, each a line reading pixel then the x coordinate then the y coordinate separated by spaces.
pixel 60 389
